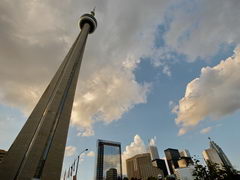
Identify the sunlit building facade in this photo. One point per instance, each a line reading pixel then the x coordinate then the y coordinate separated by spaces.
pixel 220 153
pixel 109 162
pixel 153 152
pixel 211 155
pixel 140 166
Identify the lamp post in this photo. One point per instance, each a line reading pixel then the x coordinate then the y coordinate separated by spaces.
pixel 75 176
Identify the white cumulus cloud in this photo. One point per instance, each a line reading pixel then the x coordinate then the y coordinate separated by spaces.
pixel 214 94
pixel 70 150
pixel 202 28
pixel 36 35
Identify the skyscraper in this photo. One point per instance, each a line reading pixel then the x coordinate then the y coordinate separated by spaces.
pixel 211 155
pixel 184 153
pixel 38 150
pixel 172 156
pixel 109 159
pixel 185 159
pixel 140 166
pixel 153 152
pixel 221 154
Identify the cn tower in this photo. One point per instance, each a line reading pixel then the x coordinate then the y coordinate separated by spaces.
pixel 38 150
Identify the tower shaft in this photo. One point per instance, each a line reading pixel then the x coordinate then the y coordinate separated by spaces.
pixel 38 150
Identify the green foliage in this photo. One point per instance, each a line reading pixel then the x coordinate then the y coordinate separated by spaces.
pixel 214 172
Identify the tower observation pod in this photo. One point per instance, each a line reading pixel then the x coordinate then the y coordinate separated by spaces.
pixel 38 150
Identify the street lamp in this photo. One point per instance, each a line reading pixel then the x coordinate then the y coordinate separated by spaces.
pixel 75 176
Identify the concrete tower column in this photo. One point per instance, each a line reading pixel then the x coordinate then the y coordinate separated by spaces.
pixel 38 150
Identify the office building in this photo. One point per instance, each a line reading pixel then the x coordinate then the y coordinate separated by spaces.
pixel 172 156
pixel 160 163
pixel 153 152
pixel 221 154
pixel 185 162
pixel 184 153
pixel 140 166
pixel 38 150
pixel 211 155
pixel 2 154
pixel 109 161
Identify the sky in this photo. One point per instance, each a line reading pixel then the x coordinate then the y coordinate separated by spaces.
pixel 162 69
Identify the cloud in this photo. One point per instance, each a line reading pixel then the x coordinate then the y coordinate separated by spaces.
pixel 135 147
pixel 214 94
pixel 206 130
pixel 166 70
pixel 86 132
pixel 201 28
pixel 36 35
pixel 105 98
pixel 70 150
pixel 91 154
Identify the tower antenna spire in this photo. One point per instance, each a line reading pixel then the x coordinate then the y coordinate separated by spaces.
pixel 93 11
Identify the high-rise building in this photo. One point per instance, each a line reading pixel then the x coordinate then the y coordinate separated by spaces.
pixel 211 155
pixel 38 150
pixel 2 154
pixel 111 174
pixel 153 152
pixel 184 153
pixel 109 159
pixel 140 166
pixel 160 163
pixel 185 159
pixel 221 154
pixel 185 162
pixel 172 156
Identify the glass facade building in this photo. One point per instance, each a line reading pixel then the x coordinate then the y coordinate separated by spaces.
pixel 109 162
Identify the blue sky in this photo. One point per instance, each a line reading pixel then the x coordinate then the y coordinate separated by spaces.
pixel 144 61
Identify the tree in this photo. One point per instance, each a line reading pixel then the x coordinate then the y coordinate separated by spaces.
pixel 213 171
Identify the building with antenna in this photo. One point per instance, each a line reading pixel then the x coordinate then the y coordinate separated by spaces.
pixel 215 154
pixel 221 154
pixel 38 150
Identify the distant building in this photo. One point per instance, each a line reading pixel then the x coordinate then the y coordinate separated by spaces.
pixel 184 153
pixel 221 154
pixel 111 174
pixel 153 152
pixel 2 154
pixel 211 155
pixel 185 173
pixel 140 166
pixel 185 162
pixel 172 156
pixel 160 163
pixel 109 162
